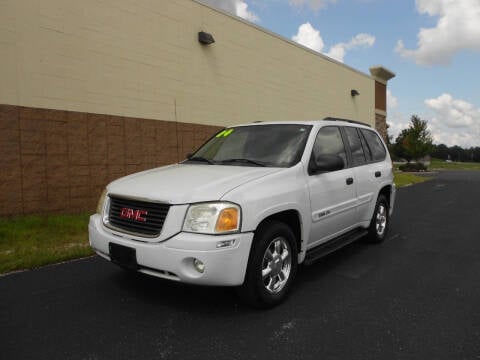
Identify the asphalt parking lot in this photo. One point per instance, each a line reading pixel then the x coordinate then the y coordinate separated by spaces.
pixel 416 296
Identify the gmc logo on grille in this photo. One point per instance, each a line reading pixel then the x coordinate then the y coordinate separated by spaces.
pixel 134 214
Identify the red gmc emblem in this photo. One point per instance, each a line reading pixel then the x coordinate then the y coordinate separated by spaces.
pixel 134 214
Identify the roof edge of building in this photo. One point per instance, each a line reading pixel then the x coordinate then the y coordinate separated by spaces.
pixel 280 37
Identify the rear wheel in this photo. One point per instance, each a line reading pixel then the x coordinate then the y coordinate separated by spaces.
pixel 380 221
pixel 272 265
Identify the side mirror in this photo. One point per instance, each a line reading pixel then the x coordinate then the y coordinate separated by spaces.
pixel 326 163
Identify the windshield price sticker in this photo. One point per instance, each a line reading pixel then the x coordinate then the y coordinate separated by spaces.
pixel 224 133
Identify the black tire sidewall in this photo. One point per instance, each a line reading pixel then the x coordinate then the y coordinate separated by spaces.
pixel 372 231
pixel 254 282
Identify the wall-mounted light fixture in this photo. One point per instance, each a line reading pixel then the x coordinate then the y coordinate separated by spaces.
pixel 354 92
pixel 205 38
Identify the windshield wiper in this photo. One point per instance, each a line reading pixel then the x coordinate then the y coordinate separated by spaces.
pixel 245 161
pixel 200 158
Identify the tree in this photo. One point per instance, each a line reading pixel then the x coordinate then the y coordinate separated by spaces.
pixel 476 154
pixel 441 152
pixel 414 142
pixel 458 154
pixel 398 149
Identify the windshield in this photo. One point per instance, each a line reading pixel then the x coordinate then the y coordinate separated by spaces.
pixel 279 145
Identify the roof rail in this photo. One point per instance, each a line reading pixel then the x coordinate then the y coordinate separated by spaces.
pixel 346 120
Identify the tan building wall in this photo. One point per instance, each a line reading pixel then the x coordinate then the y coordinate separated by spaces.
pixel 91 91
pixel 142 59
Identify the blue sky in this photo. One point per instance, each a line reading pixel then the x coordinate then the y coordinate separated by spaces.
pixel 432 45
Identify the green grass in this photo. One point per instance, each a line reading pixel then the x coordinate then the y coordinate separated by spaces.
pixel 27 242
pixel 403 179
pixel 437 164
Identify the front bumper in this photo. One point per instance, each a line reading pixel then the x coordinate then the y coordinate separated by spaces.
pixel 173 259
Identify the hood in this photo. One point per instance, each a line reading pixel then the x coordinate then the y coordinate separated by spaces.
pixel 187 183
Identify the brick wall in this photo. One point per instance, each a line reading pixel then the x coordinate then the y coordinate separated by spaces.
pixel 56 161
pixel 380 96
pixel 381 125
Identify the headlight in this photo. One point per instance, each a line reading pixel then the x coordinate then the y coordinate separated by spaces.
pixel 101 202
pixel 213 218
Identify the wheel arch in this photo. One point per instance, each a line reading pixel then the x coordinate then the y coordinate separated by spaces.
pixel 387 192
pixel 290 217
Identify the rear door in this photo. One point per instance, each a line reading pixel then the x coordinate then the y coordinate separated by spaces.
pixel 366 172
pixel 378 169
pixel 332 194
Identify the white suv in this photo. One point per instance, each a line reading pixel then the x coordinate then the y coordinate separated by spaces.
pixel 250 205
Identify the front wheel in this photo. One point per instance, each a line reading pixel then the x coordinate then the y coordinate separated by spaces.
pixel 272 265
pixel 380 222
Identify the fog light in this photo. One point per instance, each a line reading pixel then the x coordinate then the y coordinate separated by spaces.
pixel 225 243
pixel 199 266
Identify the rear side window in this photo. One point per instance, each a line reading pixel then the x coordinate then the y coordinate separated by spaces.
pixel 358 156
pixel 375 145
pixel 366 148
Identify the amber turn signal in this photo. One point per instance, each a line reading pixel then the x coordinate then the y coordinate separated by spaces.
pixel 227 220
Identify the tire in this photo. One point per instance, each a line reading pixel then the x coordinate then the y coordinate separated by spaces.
pixel 379 225
pixel 272 266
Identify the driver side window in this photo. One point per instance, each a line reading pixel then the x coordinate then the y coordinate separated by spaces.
pixel 329 142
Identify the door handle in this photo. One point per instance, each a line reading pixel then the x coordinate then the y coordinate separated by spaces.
pixel 349 181
pixel 378 174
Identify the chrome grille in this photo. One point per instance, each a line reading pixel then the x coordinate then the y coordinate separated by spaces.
pixel 137 217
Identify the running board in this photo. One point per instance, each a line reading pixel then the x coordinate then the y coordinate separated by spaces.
pixel 330 246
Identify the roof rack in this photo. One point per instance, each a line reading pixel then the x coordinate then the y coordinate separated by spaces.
pixel 346 120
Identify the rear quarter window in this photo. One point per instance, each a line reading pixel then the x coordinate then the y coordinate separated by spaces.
pixel 375 145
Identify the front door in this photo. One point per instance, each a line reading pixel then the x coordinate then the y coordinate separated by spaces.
pixel 332 194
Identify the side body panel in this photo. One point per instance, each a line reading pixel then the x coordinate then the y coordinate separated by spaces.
pixel 333 205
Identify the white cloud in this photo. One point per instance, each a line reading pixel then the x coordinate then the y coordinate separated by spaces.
pixel 242 11
pixel 450 121
pixel 236 7
pixel 454 121
pixel 339 50
pixel 310 37
pixel 392 101
pixel 458 28
pixel 313 4
pixel 397 121
pixel 452 112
